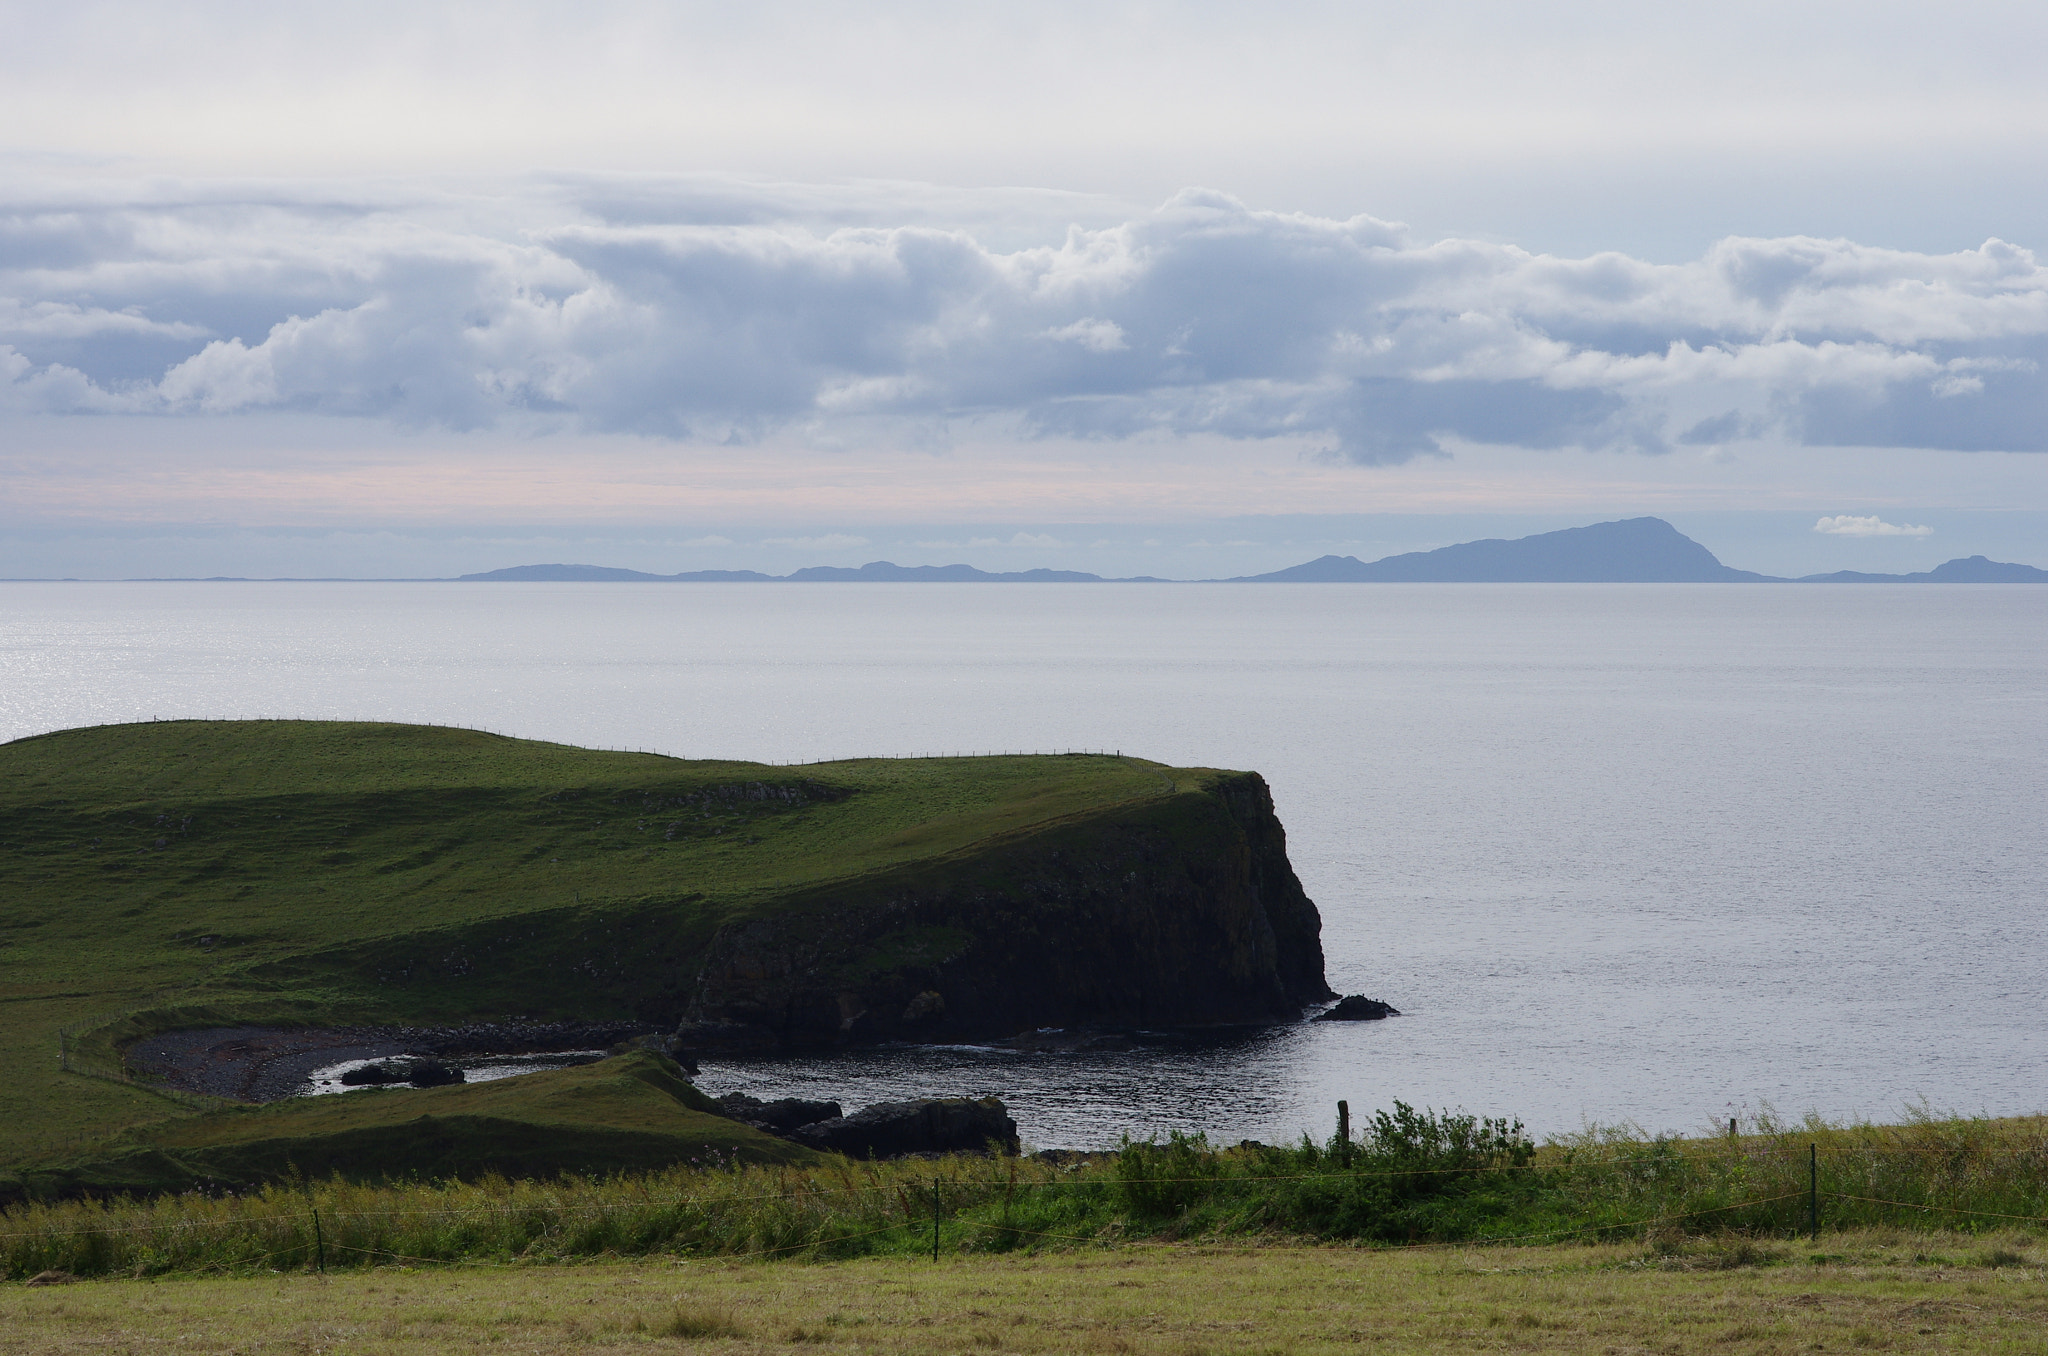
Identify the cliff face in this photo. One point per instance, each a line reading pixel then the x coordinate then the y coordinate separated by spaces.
pixel 1174 912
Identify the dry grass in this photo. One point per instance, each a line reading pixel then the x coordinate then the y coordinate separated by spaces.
pixel 1878 1290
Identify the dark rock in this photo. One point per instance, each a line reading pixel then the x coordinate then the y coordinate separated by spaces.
pixel 929 1005
pixel 519 1037
pixel 1069 1042
pixel 1175 911
pixel 781 1117
pixel 930 1125
pixel 373 1075
pixel 1358 1008
pixel 432 1073
pixel 719 1037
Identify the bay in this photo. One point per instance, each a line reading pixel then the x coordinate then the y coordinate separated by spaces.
pixel 1663 854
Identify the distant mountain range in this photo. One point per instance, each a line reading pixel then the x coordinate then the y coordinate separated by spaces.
pixel 879 571
pixel 1969 570
pixel 1631 551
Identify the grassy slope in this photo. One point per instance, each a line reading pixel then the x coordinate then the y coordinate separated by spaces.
pixel 123 847
pixel 630 1114
pixel 1887 1291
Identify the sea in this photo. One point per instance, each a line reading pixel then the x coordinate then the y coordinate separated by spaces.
pixel 1639 856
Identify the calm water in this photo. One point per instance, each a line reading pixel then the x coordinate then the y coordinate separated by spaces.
pixel 1651 853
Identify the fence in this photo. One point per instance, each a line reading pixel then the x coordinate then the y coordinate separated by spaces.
pixel 75 1055
pixel 1771 1187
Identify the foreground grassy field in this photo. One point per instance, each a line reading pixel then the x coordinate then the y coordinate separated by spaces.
pixel 298 872
pixel 1861 1291
pixel 1411 1179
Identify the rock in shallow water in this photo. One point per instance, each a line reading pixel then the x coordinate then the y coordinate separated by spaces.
pixel 780 1117
pixel 1358 1008
pixel 930 1125
pixel 372 1075
pixel 432 1073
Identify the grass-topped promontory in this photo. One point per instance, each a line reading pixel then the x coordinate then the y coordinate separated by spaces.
pixel 300 873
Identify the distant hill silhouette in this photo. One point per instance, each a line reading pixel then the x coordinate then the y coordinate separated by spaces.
pixel 1632 551
pixel 1973 570
pixel 887 572
pixel 877 571
pixel 555 574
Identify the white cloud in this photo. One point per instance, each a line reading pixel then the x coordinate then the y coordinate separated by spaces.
pixel 549 306
pixel 1095 335
pixel 1848 525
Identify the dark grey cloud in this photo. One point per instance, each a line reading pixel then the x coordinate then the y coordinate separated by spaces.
pixel 726 311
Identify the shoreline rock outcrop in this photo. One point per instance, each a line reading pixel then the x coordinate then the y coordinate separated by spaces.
pixel 784 1116
pixel 929 1125
pixel 1357 1008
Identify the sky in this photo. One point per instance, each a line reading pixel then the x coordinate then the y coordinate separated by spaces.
pixel 1190 289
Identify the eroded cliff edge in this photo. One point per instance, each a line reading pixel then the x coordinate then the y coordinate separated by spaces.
pixel 1175 911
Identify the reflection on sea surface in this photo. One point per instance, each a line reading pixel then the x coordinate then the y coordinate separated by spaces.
pixel 1231 1086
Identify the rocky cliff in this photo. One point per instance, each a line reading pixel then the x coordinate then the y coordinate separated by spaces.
pixel 1176 911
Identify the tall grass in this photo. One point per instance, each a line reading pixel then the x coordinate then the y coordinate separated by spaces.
pixel 1411 1178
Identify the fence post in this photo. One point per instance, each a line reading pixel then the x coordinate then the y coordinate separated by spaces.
pixel 1813 1192
pixel 935 1219
pixel 319 1241
pixel 1344 1131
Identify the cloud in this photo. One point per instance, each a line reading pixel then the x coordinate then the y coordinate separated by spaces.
pixel 1097 336
pixel 1847 525
pixel 541 308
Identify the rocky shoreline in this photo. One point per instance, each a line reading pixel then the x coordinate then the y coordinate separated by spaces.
pixel 263 1064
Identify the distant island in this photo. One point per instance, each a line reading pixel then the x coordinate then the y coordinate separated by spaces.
pixel 1633 551
pixel 879 571
pixel 1630 551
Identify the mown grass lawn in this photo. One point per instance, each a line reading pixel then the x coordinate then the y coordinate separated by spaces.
pixel 1876 1290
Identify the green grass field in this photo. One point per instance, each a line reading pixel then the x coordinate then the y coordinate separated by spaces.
pixel 198 873
pixel 1162 1250
pixel 1883 1290
pixel 1412 1179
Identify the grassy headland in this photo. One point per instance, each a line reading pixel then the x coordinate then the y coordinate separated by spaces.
pixel 199 873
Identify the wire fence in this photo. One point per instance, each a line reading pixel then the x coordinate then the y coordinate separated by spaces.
pixel 963 1207
pixel 77 1054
